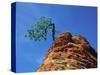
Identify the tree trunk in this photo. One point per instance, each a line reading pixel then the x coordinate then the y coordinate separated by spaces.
pixel 53 32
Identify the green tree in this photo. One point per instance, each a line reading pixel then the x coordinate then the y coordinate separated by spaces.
pixel 40 30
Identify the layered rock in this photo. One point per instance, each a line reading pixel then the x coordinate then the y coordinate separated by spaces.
pixel 69 52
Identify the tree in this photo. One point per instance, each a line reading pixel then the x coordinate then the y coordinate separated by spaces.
pixel 40 30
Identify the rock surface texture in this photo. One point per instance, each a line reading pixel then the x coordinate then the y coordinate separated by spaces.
pixel 69 52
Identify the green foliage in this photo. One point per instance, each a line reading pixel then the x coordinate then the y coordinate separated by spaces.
pixel 40 29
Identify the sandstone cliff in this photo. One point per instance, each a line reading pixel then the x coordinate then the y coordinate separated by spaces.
pixel 69 52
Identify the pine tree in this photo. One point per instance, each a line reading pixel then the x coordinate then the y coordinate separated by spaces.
pixel 40 30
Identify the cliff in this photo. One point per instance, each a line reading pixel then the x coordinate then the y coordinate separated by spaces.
pixel 69 52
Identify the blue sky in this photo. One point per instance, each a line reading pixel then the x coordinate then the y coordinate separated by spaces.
pixel 74 19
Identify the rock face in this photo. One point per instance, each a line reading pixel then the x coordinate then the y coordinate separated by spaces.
pixel 69 52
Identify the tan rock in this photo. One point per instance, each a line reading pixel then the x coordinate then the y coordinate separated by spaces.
pixel 69 52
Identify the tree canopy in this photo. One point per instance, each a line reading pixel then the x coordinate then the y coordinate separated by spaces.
pixel 40 30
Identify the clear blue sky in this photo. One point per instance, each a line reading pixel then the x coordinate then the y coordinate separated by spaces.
pixel 74 19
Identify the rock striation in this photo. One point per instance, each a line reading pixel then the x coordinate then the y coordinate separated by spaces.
pixel 69 52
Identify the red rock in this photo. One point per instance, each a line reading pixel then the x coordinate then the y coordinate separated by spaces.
pixel 69 52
